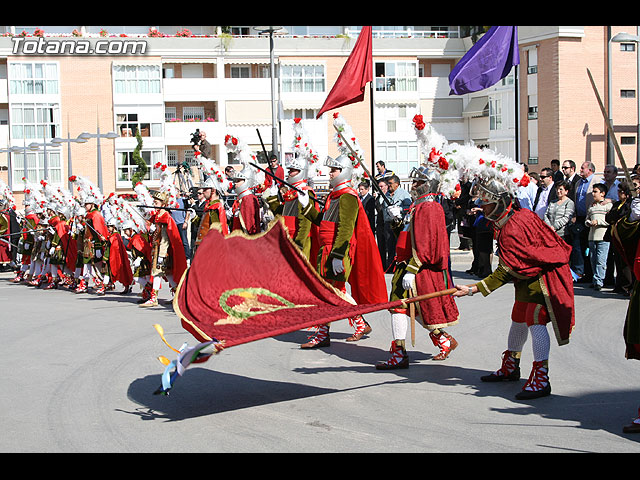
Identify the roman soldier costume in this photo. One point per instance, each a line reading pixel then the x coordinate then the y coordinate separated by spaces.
pixel 214 187
pixel 422 266
pixel 347 250
pixel 246 209
pixel 532 256
pixel 283 201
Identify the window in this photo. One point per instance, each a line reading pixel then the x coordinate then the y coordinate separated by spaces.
pixel 35 170
pixel 400 156
pixel 35 121
pixel 33 78
pixel 495 114
pixel 303 113
pixel 627 140
pixel 302 78
pixel 127 166
pixel 169 114
pixel 396 76
pixel 192 114
pixel 137 78
pixel 128 124
pixel 627 94
pixel 242 71
pixel 627 47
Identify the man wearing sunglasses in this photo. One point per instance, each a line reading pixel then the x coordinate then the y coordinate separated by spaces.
pixel 546 193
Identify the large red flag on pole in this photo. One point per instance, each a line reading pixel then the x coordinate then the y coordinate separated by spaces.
pixel 356 73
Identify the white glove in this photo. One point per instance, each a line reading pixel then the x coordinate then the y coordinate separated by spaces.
pixel 137 262
pixel 395 211
pixel 272 191
pixel 152 228
pixel 160 261
pixel 337 266
pixel 303 198
pixel 635 209
pixel 407 281
pixel 27 245
pixel 98 253
pixel 52 250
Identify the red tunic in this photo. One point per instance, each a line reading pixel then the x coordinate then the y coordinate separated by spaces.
pixel 529 248
pixel 119 261
pixel 176 249
pixel 430 249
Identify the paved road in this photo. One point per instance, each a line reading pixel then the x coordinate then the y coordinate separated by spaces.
pixel 79 373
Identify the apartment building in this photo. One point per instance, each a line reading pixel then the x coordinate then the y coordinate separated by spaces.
pixel 101 85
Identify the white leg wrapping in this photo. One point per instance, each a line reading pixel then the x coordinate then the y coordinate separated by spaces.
pixel 541 342
pixel 399 322
pixel 518 334
pixel 157 283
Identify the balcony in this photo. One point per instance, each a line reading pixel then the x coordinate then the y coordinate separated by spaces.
pixel 210 89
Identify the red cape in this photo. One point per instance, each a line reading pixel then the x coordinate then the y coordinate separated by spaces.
pixel 431 247
pixel 5 255
pixel 69 248
pixel 119 261
pixel 141 244
pixel 529 247
pixel 97 222
pixel 367 276
pixel 176 248
pixel 222 215
pixel 250 213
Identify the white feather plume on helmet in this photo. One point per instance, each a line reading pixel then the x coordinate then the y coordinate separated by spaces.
pixel 126 215
pixel 7 194
pixel 241 151
pixel 34 198
pixel 216 178
pixel 86 191
pixel 349 146
pixel 304 157
pixel 167 189
pixel 468 160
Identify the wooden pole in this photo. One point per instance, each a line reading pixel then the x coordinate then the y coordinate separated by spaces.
pixel 607 122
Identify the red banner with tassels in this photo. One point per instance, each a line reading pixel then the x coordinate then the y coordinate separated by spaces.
pixel 242 288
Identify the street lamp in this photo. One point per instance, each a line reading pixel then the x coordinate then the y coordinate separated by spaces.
pixel 624 37
pixel 98 135
pixel 69 141
pixel 274 130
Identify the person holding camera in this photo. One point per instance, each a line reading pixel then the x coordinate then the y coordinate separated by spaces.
pixel 200 144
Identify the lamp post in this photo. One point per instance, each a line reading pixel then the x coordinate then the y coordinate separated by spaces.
pixel 274 130
pixel 98 135
pixel 624 37
pixel 69 141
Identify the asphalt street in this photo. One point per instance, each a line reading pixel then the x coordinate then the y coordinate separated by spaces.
pixel 80 371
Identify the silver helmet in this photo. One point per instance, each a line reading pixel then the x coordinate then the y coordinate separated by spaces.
pixel 247 174
pixel 492 191
pixel 425 180
pixel 345 164
pixel 302 165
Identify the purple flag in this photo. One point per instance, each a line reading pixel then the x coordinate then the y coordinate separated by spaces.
pixel 487 62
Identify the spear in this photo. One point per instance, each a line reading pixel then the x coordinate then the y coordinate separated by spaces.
pixel 277 178
pixel 373 183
